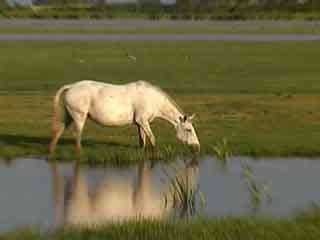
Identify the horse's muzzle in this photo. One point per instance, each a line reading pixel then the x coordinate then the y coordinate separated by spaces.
pixel 195 148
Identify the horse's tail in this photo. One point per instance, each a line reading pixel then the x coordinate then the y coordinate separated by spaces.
pixel 58 120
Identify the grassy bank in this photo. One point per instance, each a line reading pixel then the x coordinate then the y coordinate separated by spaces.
pixel 262 97
pixel 231 229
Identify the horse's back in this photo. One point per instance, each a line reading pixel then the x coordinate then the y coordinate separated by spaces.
pixel 108 104
pixel 132 86
pixel 135 91
pixel 113 104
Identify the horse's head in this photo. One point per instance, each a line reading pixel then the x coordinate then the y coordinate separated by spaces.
pixel 186 132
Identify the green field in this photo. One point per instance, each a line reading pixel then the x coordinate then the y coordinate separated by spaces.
pixel 262 97
pixel 218 229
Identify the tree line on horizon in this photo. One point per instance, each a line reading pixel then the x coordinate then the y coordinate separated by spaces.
pixel 179 5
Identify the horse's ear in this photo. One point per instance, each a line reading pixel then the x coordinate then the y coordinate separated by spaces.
pixel 183 119
pixel 190 118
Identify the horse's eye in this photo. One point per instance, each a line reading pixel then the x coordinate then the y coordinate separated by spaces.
pixel 188 130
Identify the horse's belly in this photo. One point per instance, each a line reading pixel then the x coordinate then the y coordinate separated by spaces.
pixel 112 112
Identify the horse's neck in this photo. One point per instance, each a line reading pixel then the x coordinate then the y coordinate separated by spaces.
pixel 170 113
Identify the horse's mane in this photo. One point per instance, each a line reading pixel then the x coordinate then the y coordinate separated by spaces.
pixel 162 92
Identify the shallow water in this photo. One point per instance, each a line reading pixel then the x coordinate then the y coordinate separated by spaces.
pixel 47 195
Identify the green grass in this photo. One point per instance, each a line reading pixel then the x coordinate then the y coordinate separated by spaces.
pixel 243 28
pixel 263 97
pixel 226 228
pixel 215 67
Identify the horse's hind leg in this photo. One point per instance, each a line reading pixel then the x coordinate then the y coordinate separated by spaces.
pixel 79 121
pixel 57 132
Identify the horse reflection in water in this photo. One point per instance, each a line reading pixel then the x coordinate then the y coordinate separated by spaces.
pixel 115 198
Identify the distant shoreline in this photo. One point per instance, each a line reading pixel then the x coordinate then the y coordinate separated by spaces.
pixel 161 12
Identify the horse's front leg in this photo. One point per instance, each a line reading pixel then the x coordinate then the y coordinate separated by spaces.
pixel 142 137
pixel 146 127
pixel 147 130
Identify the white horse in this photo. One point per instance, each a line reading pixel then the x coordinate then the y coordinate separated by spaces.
pixel 136 103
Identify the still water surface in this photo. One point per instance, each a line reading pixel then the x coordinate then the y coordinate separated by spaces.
pixel 46 195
